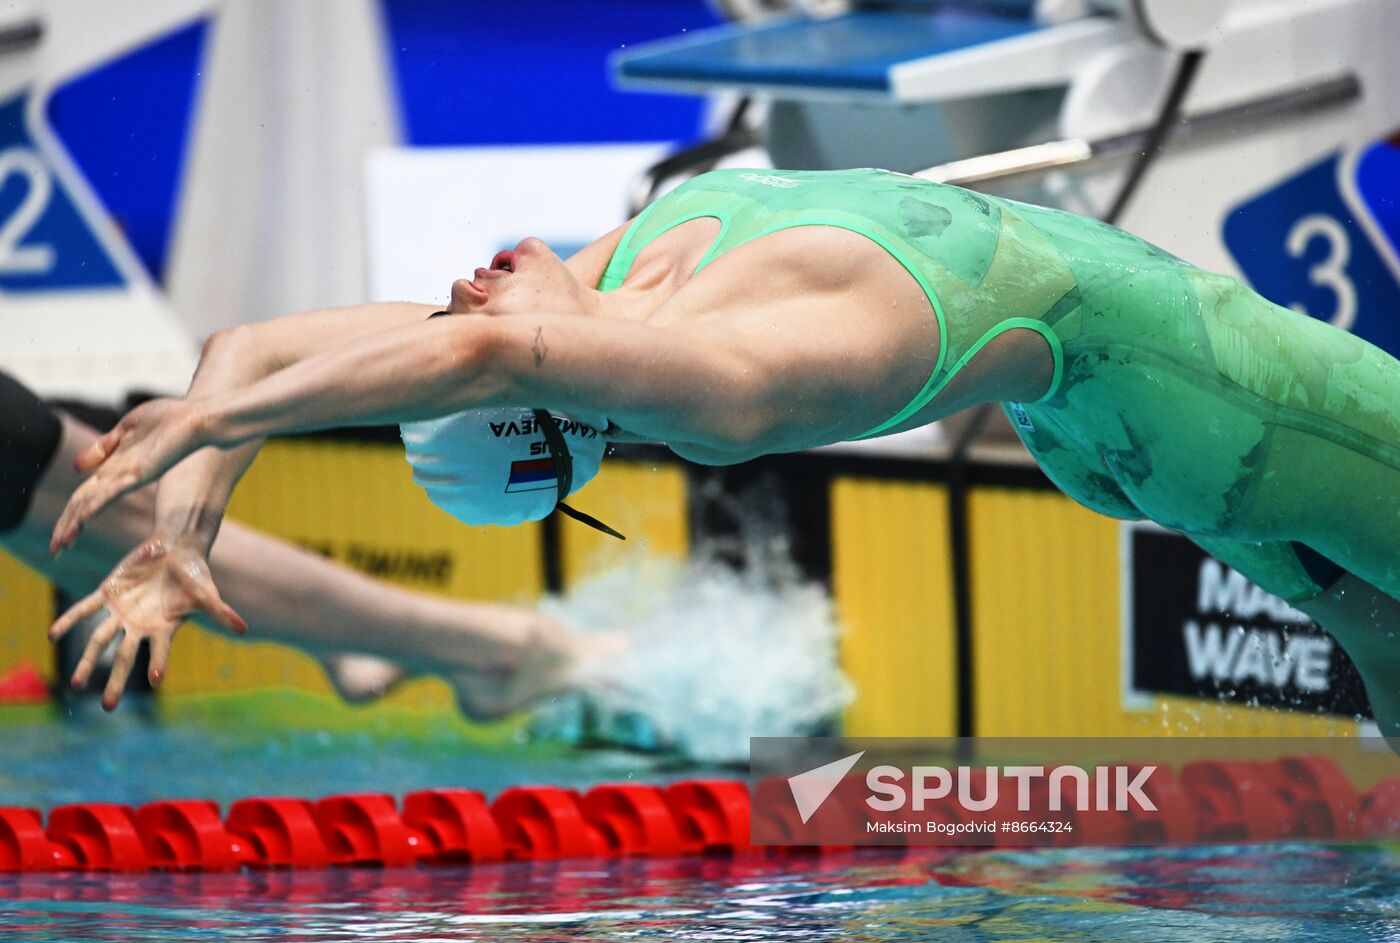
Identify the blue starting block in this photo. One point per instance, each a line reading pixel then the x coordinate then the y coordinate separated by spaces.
pixel 903 52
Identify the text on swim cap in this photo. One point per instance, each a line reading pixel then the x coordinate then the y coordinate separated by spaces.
pixel 528 427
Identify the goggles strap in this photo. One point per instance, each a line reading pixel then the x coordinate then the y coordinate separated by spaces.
pixel 564 469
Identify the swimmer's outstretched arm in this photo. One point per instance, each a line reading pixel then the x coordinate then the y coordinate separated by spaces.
pixel 192 497
pixel 667 384
pixel 726 394
pixel 648 380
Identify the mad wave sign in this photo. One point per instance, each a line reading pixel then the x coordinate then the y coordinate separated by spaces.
pixel 1194 626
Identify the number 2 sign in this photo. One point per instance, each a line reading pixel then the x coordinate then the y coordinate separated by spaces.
pixel 45 243
pixel 15 256
pixel 1324 242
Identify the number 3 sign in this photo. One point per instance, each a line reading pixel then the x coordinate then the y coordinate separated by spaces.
pixel 1323 242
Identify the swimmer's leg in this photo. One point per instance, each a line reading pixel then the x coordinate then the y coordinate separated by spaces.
pixel 1364 620
pixel 1335 488
pixel 498 658
pixel 1326 474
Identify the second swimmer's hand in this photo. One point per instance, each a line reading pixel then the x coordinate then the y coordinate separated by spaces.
pixel 140 448
pixel 147 596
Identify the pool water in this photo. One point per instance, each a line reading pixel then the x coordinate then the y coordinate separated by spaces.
pixel 1277 893
pixel 125 758
pixel 1294 893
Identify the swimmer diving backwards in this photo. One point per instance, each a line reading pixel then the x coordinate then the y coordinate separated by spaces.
pixel 750 312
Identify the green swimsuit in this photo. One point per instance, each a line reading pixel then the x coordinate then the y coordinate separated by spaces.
pixel 1177 394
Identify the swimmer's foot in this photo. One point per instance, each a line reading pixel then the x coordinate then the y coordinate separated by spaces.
pixel 554 661
pixel 359 679
pixel 492 675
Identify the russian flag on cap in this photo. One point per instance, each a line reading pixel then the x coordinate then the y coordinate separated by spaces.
pixel 532 474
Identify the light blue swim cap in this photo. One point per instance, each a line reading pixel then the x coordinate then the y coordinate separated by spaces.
pixel 495 466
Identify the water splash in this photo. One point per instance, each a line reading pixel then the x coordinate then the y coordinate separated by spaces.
pixel 715 654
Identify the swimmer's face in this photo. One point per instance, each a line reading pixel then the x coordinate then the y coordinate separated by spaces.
pixel 529 279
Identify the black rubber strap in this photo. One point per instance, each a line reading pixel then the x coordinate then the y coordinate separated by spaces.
pixel 1168 116
pixel 564 467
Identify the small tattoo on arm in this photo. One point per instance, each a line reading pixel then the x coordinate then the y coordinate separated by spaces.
pixel 540 349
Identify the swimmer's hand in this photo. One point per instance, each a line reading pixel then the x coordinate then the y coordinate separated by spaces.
pixel 147 596
pixel 146 443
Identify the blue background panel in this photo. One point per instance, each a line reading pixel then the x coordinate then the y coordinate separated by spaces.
pixel 1256 233
pixel 79 261
pixel 533 73
pixel 127 126
pixel 464 73
pixel 1378 183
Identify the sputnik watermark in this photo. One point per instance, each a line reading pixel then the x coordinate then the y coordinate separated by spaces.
pixel 812 788
pixel 1114 787
pixel 835 792
pixel 892 789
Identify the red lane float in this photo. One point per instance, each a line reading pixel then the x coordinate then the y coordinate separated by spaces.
pixel 546 822
pixel 713 814
pixel 101 835
pixel 634 820
pixel 1209 801
pixel 1380 810
pixel 457 824
pixel 282 833
pixel 24 846
pixel 1174 822
pixel 366 829
pixel 190 836
pixel 1236 801
pixel 1323 802
pixel 839 813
